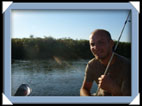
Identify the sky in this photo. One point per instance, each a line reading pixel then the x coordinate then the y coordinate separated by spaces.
pixel 75 24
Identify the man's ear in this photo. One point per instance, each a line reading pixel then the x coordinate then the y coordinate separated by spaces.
pixel 112 43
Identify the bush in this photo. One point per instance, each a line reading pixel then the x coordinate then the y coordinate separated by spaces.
pixel 67 48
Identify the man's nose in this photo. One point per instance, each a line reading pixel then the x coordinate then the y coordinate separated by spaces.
pixel 95 47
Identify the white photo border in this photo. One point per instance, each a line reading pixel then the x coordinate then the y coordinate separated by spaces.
pixel 71 99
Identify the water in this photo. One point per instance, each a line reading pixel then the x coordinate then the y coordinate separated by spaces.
pixel 49 77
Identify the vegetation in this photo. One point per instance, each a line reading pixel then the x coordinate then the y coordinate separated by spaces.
pixel 48 48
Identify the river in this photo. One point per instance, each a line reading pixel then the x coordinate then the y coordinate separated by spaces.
pixel 49 77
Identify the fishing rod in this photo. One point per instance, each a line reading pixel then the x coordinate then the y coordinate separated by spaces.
pixel 106 70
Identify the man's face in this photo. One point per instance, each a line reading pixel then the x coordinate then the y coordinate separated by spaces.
pixel 100 46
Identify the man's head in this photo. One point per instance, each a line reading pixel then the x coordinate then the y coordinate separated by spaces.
pixel 101 44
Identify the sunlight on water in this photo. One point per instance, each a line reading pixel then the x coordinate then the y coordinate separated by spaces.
pixel 48 78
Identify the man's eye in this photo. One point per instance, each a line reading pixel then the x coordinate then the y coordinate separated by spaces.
pixel 92 44
pixel 101 43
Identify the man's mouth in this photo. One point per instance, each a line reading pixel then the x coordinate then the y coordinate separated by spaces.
pixel 99 52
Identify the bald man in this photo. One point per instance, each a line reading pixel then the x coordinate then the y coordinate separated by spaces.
pixel 118 80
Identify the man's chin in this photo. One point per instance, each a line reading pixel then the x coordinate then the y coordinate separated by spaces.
pixel 100 57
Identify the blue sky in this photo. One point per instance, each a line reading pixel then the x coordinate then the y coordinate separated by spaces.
pixel 75 24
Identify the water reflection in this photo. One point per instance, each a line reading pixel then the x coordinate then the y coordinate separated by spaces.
pixel 49 78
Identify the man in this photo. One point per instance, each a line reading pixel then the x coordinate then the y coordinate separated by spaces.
pixel 118 80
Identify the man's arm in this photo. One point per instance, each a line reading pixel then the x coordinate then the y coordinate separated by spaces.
pixel 126 87
pixel 85 89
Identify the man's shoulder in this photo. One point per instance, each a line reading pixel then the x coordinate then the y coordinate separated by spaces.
pixel 123 60
pixel 92 61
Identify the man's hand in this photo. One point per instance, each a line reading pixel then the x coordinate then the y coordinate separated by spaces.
pixel 106 83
